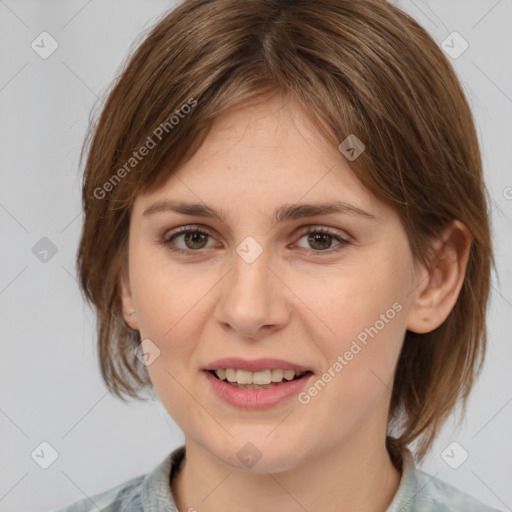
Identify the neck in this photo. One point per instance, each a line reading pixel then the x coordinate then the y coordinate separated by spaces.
pixel 341 480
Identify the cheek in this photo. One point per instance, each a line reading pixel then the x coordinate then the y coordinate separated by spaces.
pixel 168 299
pixel 366 309
pixel 357 378
pixel 171 309
pixel 365 299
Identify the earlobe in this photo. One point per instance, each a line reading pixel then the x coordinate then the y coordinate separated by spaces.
pixel 129 312
pixel 437 293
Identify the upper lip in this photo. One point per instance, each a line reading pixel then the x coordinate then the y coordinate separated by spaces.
pixel 255 365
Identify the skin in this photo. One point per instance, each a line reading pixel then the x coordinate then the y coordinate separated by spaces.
pixel 300 301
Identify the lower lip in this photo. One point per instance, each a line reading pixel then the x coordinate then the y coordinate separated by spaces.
pixel 257 398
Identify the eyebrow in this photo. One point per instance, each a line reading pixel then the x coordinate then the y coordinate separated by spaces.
pixel 283 213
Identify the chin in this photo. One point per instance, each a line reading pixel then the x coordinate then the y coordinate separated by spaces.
pixel 257 456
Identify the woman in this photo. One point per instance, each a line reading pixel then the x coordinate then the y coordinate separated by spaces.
pixel 286 239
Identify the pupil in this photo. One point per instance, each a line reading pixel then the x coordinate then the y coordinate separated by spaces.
pixel 196 238
pixel 321 238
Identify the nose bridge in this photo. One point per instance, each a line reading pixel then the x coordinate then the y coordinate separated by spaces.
pixel 250 295
pixel 250 279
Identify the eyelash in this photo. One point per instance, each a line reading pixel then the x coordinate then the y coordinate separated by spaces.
pixel 167 240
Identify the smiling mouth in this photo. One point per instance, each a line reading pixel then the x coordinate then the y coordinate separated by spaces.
pixel 264 379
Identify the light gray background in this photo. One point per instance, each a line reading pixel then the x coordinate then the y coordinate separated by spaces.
pixel 50 385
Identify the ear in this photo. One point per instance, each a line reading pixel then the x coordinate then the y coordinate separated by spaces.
pixel 438 287
pixel 126 300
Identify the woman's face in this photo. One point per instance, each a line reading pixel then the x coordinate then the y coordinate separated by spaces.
pixel 273 285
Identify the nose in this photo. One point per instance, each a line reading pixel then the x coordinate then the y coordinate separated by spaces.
pixel 254 301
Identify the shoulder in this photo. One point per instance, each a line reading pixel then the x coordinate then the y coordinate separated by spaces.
pixel 420 492
pixel 435 494
pixel 125 496
pixel 151 491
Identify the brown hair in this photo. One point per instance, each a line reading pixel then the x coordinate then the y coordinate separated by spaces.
pixel 358 67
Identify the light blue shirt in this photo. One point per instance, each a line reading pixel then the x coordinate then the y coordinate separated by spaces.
pixel 417 492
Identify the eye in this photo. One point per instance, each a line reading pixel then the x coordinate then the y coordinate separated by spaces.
pixel 194 240
pixel 321 239
pixel 191 239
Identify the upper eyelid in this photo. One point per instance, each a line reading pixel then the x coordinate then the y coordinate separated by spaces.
pixel 184 229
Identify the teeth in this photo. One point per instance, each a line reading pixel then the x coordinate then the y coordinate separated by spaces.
pixel 243 377
pixel 264 377
pixel 261 378
pixel 288 374
pixel 230 375
pixel 277 375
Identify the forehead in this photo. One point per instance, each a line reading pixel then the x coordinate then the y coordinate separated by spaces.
pixel 263 156
pixel 271 129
